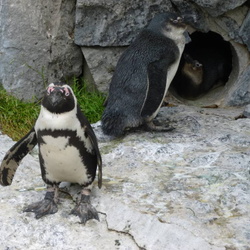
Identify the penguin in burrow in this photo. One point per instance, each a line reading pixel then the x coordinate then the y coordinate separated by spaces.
pixel 187 82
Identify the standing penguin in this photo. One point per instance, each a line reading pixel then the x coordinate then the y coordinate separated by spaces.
pixel 68 152
pixel 143 75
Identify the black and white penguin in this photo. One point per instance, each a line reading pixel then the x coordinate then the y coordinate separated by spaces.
pixel 68 152
pixel 214 54
pixel 143 75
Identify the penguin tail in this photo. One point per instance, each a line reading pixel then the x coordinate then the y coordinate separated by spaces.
pixel 113 123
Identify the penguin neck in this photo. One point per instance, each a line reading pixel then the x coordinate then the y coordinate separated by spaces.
pixel 53 121
pixel 195 74
pixel 177 35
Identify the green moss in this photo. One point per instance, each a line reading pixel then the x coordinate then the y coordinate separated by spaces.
pixel 91 102
pixel 17 117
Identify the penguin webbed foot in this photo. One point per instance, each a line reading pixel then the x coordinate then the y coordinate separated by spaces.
pixel 84 210
pixel 157 127
pixel 41 208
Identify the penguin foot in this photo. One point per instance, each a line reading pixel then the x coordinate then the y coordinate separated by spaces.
pixel 44 207
pixel 85 210
pixel 151 126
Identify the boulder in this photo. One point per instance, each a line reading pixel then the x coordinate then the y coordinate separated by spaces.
pixel 186 189
pixel 241 90
pixel 112 23
pixel 37 45
pixel 102 62
pixel 218 7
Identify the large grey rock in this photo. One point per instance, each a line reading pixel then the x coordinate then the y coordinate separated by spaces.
pixel 113 23
pixel 101 63
pixel 246 111
pixel 186 189
pixel 245 30
pixel 36 45
pixel 219 7
pixel 240 93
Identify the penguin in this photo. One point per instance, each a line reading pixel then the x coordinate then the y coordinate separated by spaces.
pixel 214 54
pixel 195 77
pixel 68 152
pixel 187 82
pixel 142 76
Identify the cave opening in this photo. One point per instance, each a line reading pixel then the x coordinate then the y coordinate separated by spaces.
pixel 205 66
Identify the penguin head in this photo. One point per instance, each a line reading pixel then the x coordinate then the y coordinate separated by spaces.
pixel 168 24
pixel 59 98
pixel 194 64
pixel 193 69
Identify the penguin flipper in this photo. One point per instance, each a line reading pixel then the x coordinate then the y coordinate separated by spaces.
pixel 14 156
pixel 89 131
pixel 157 77
pixel 99 158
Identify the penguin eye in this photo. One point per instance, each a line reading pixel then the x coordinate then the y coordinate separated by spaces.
pixel 67 92
pixel 179 19
pixel 174 20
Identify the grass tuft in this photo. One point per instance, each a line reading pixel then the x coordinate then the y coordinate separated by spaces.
pixel 91 102
pixel 17 117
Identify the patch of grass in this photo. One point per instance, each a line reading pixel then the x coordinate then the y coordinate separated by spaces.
pixel 17 117
pixel 91 102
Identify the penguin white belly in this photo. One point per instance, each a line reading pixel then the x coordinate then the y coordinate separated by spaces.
pixel 62 161
pixel 170 75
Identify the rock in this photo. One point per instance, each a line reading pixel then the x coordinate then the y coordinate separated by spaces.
pixel 113 23
pixel 186 189
pixel 244 31
pixel 218 7
pixel 240 93
pixel 37 46
pixel 102 62
pixel 246 111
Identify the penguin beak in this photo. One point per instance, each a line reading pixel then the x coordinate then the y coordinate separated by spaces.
pixel 56 96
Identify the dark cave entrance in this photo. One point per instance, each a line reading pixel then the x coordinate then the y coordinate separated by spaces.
pixel 206 65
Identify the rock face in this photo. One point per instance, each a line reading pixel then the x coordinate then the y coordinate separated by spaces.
pixel 36 45
pixel 186 189
pixel 113 23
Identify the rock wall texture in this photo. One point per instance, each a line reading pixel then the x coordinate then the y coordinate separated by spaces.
pixel 186 189
pixel 37 45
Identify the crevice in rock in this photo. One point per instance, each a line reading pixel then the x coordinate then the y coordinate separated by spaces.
pixel 121 232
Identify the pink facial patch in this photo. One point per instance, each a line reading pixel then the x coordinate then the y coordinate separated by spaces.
pixel 49 90
pixel 67 92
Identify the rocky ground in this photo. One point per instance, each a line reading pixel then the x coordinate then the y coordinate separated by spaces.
pixel 186 189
